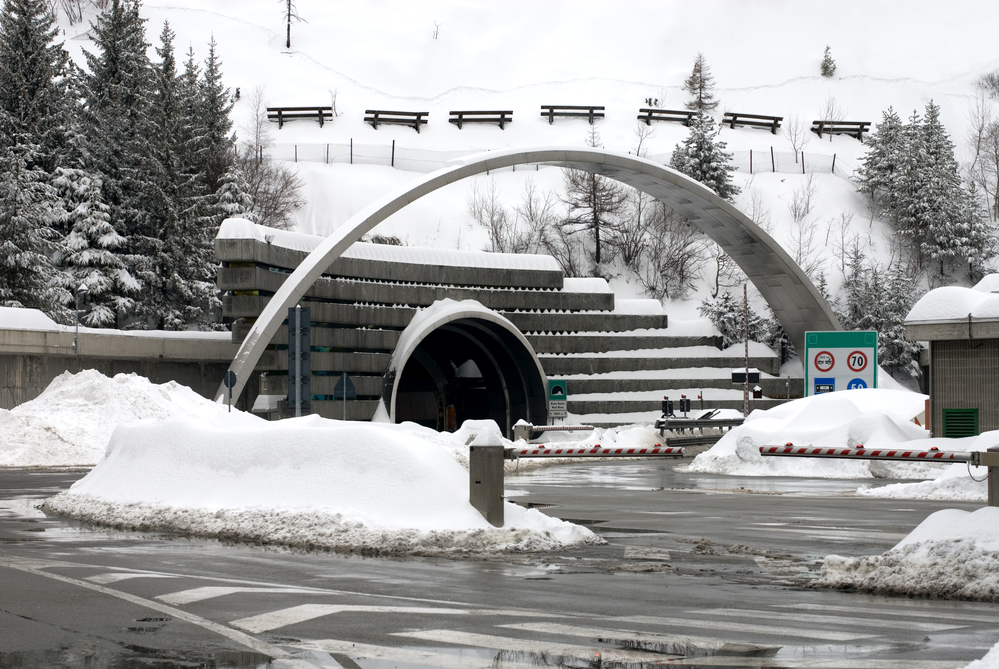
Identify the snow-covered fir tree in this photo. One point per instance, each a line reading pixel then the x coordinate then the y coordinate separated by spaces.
pixel 28 205
pixel 728 314
pixel 89 251
pixel 233 198
pixel 216 104
pixel 33 80
pixel 881 164
pixel 828 66
pixel 700 84
pixel 702 157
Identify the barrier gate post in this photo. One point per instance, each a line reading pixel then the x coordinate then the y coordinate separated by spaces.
pixel 993 480
pixel 485 482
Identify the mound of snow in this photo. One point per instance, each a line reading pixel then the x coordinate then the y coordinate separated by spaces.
pixel 951 554
pixel 872 417
pixel 958 482
pixel 71 422
pixel 309 482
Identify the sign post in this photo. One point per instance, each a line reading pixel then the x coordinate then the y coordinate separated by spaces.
pixel 299 359
pixel 344 388
pixel 229 379
pixel 558 399
pixel 840 361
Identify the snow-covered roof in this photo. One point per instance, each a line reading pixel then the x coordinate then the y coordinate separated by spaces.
pixel 955 303
pixel 239 228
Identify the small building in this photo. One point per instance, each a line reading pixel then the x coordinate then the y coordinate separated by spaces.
pixel 961 374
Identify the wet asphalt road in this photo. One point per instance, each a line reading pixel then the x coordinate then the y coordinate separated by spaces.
pixel 693 562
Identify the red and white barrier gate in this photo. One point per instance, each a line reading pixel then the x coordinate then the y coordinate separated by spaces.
pixel 597 451
pixel 989 458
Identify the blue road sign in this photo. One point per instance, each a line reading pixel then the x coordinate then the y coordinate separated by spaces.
pixel 856 383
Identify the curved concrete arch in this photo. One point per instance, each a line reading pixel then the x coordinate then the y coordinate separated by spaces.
pixel 794 300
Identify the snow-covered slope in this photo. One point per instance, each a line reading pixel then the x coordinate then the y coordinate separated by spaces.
pixel 518 55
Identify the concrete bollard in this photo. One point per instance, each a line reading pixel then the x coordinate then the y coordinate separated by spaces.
pixel 485 482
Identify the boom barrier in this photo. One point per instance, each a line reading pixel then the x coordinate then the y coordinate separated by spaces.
pixel 989 458
pixel 597 451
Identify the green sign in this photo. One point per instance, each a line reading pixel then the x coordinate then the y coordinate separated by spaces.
pixel 840 361
pixel 557 390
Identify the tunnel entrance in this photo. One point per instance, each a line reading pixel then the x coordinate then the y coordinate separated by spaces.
pixel 468 369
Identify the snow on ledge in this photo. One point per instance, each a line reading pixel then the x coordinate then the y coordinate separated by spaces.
pixel 12 318
pixel 240 228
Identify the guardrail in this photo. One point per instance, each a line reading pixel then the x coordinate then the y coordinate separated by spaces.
pixel 989 458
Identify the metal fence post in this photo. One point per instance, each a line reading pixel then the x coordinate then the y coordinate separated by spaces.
pixel 485 482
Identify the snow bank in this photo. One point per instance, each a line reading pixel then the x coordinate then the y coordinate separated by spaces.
pixel 71 422
pixel 307 482
pixel 873 417
pixel 990 661
pixel 951 303
pixel 951 554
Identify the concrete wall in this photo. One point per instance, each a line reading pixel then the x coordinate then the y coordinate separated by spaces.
pixel 31 359
pixel 965 374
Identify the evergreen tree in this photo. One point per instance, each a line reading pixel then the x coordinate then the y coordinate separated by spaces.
pixel 700 84
pixel 33 80
pixel 702 157
pixel 90 256
pixel 120 130
pixel 881 164
pixel 179 274
pixel 828 66
pixel 728 315
pixel 216 104
pixel 233 199
pixel 27 239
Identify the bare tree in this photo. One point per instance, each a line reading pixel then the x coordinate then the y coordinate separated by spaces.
pixel 674 256
pixel 537 217
pixel 983 136
pixel 839 239
pixel 437 29
pixel 803 229
pixel 333 95
pixel 797 133
pixel 831 110
pixel 290 13
pixel 487 210
pixel 759 208
pixel 275 188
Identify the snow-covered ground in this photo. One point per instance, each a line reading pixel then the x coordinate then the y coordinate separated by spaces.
pixel 951 554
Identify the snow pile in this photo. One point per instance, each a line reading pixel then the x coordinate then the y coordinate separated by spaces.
pixel 957 482
pixel 875 418
pixel 990 661
pixel 305 482
pixel 955 303
pixel 70 423
pixel 951 554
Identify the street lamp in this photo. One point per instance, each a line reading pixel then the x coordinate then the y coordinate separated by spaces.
pixel 81 294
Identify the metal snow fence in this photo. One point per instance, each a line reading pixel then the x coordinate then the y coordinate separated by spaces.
pixel 392 155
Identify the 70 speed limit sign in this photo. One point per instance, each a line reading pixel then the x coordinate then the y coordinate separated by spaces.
pixel 840 361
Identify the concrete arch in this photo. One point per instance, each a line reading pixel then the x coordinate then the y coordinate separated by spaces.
pixel 794 300
pixel 520 377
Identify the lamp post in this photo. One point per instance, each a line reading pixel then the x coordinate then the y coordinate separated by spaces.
pixel 81 294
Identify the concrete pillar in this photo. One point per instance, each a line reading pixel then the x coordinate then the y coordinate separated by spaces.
pixel 993 480
pixel 485 482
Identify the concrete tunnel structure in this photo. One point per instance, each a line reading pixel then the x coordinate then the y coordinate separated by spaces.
pixel 504 358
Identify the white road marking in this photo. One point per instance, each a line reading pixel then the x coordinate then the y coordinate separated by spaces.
pixel 949 615
pixel 212 591
pixel 834 620
pixel 771 630
pixel 831 533
pixel 231 634
pixel 681 644
pixel 407 655
pixel 515 645
pixel 114 577
pixel 265 622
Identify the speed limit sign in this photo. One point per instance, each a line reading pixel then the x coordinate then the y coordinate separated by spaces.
pixel 840 361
